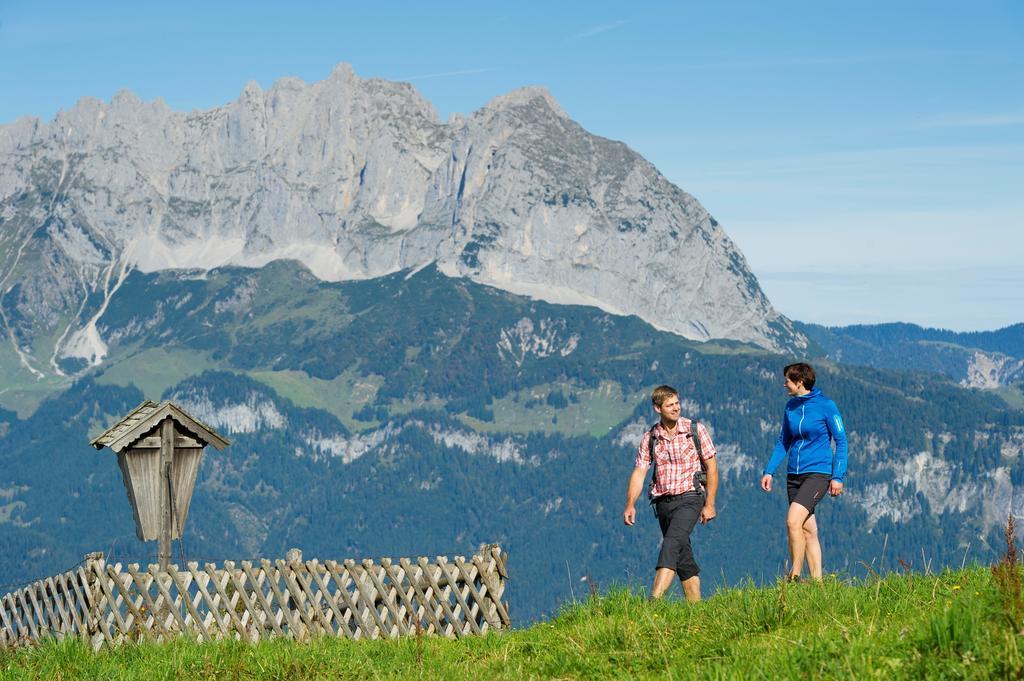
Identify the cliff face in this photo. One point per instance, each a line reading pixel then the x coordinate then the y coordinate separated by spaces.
pixel 356 179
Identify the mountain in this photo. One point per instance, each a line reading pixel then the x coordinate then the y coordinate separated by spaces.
pixel 356 179
pixel 977 359
pixel 423 335
pixel 420 414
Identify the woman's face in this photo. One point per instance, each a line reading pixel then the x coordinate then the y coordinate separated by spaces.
pixel 794 389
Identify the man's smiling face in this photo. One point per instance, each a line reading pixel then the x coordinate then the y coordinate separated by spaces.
pixel 669 409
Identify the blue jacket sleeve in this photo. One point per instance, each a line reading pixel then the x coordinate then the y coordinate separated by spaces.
pixel 837 430
pixel 781 447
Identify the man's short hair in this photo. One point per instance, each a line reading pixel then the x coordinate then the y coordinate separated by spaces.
pixel 661 393
pixel 801 372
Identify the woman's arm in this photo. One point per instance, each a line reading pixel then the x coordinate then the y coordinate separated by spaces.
pixel 837 430
pixel 781 447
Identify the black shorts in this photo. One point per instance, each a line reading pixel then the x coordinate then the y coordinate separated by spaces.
pixel 677 515
pixel 807 489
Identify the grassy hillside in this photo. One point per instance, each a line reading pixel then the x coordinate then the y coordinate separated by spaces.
pixel 957 624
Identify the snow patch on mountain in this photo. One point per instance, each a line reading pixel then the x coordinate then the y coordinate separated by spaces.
pixel 86 344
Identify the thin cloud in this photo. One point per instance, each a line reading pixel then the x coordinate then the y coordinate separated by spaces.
pixel 870 160
pixel 598 29
pixel 841 60
pixel 974 120
pixel 446 74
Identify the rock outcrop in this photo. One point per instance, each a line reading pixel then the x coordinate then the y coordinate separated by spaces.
pixel 356 179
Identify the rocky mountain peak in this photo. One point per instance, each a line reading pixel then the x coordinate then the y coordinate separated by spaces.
pixel 533 95
pixel 356 179
pixel 343 71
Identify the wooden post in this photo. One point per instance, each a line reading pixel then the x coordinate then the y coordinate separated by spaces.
pixel 166 456
pixel 93 593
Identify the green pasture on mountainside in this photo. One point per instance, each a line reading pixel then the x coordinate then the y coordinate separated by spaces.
pixel 957 624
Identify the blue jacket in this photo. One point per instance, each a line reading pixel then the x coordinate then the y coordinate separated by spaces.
pixel 808 423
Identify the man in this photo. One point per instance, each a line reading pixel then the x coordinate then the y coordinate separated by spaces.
pixel 677 498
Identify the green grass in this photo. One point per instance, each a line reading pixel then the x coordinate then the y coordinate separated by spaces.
pixel 947 626
pixel 155 370
pixel 1013 395
pixel 342 395
pixel 21 391
pixel 598 411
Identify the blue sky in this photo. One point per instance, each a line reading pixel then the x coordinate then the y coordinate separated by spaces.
pixel 868 158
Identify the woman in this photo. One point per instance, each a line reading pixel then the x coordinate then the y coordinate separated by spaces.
pixel 809 422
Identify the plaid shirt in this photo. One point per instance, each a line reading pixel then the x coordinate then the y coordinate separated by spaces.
pixel 677 457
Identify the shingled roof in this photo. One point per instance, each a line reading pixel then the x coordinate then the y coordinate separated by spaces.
pixel 145 417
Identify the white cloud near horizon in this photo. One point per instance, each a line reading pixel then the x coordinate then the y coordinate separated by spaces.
pixel 952 185
pixel 958 298
pixel 839 60
pixel 894 239
pixel 973 120
pixel 869 158
pixel 931 235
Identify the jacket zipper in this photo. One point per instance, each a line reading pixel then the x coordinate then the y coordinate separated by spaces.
pixel 800 429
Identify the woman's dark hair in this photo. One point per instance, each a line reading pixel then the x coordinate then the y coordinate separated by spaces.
pixel 800 372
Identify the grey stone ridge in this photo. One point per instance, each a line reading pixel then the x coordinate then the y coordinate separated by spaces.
pixel 356 179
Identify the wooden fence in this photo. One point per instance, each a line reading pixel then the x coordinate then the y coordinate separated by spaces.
pixel 106 604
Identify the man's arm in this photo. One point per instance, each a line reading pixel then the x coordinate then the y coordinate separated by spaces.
pixel 633 490
pixel 708 512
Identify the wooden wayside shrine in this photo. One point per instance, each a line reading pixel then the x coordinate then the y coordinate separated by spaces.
pixel 159 449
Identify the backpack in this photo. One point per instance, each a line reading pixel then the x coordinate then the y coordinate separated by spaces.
pixel 700 478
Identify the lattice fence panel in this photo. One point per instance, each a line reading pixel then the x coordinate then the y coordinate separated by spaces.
pixel 57 606
pixel 108 604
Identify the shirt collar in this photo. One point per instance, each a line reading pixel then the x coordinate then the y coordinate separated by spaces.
pixel 682 428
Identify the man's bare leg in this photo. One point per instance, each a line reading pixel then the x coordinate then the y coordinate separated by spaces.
pixel 795 519
pixel 662 581
pixel 691 589
pixel 813 550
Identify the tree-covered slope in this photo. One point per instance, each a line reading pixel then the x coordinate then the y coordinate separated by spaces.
pixel 982 359
pixel 418 414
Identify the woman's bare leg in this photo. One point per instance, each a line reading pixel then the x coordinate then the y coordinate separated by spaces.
pixel 795 519
pixel 812 547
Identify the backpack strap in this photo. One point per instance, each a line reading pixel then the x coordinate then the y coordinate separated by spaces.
pixel 653 439
pixel 695 436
